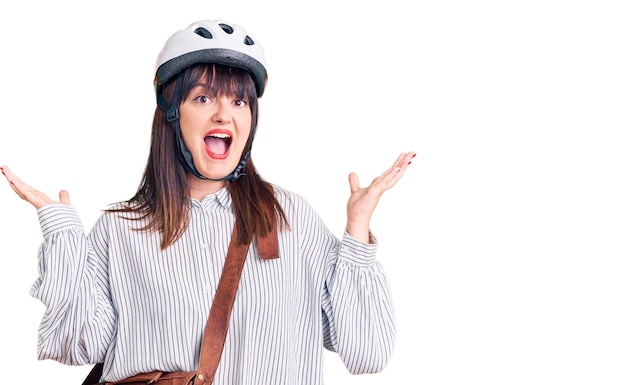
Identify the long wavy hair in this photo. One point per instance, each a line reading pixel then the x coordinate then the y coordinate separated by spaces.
pixel 163 196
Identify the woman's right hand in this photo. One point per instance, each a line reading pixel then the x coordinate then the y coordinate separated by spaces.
pixel 31 195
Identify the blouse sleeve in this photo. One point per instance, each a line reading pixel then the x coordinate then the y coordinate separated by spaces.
pixel 78 323
pixel 359 319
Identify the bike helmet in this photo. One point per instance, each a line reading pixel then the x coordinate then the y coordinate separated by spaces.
pixel 211 41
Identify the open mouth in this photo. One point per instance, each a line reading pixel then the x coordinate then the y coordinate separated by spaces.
pixel 217 144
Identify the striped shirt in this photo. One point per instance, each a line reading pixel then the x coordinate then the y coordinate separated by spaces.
pixel 113 295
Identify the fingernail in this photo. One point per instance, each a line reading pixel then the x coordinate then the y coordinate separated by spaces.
pixel 410 162
pixel 413 156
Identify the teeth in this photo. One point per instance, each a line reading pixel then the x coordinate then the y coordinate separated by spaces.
pixel 220 136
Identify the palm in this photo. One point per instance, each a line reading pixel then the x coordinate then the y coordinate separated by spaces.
pixel 30 194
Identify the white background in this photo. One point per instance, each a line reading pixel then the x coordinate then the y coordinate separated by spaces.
pixel 504 242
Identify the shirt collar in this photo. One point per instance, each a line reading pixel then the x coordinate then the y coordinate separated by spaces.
pixel 220 198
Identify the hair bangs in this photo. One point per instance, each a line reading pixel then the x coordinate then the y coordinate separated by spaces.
pixel 220 80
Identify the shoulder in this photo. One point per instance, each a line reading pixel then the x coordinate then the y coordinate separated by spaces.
pixel 294 205
pixel 288 198
pixel 121 213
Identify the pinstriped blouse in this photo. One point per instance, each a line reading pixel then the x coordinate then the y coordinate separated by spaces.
pixel 112 295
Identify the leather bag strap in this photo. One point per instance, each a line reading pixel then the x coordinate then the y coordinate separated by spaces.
pixel 219 316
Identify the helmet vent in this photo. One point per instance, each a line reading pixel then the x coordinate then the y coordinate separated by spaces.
pixel 227 28
pixel 203 32
pixel 248 41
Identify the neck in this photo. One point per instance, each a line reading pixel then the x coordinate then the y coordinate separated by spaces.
pixel 199 188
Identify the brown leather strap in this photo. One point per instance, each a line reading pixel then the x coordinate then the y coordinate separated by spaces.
pixel 221 309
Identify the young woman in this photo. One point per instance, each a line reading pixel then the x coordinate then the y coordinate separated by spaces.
pixel 135 292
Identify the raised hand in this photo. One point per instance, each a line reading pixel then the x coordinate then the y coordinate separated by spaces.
pixel 363 200
pixel 31 195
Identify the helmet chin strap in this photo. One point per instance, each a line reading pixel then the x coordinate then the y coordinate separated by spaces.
pixel 173 117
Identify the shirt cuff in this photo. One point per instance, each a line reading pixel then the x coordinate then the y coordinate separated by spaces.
pixel 357 252
pixel 57 217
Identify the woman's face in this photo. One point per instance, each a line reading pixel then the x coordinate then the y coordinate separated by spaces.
pixel 215 130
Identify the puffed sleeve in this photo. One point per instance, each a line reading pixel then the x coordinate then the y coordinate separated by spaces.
pixel 78 323
pixel 357 311
pixel 359 319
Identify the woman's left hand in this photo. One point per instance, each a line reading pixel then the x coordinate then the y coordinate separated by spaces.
pixel 363 200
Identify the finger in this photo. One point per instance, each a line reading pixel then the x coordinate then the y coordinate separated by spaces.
pixel 18 192
pixel 64 197
pixel 391 176
pixel 14 180
pixel 16 184
pixel 404 160
pixel 7 174
pixel 25 191
pixel 6 171
pixel 410 155
pixel 399 160
pixel 387 180
pixel 408 158
pixel 398 168
pixel 354 182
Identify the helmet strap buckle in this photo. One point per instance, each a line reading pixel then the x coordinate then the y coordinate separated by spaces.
pixel 172 115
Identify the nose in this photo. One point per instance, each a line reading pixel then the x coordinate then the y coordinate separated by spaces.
pixel 222 110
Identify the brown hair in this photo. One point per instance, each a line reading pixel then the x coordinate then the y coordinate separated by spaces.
pixel 163 196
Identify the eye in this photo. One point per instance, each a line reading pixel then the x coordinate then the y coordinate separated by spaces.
pixel 240 102
pixel 203 99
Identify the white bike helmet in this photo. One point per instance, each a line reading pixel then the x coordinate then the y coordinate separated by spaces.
pixel 211 41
